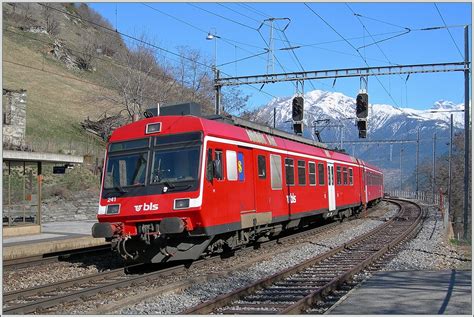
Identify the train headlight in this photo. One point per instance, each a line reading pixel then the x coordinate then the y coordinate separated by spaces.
pixel 112 209
pixel 181 203
pixel 153 128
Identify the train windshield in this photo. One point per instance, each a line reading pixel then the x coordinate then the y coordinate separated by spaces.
pixel 126 170
pixel 175 165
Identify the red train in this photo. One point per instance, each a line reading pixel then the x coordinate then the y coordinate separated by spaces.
pixel 178 187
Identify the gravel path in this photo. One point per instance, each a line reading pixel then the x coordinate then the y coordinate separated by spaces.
pixel 177 302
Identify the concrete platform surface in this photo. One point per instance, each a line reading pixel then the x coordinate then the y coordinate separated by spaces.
pixel 55 236
pixel 411 292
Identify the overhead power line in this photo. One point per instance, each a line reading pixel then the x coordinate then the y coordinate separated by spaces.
pixel 145 43
pixel 447 29
pixel 358 52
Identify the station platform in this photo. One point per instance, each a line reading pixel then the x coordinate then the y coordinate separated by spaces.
pixel 54 237
pixel 410 292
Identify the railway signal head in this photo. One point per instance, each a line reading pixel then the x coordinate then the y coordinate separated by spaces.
pixel 362 105
pixel 297 110
pixel 362 127
pixel 298 127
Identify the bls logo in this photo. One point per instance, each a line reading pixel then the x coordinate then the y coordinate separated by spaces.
pixel 291 199
pixel 146 207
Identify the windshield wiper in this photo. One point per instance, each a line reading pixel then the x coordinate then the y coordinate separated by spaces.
pixel 117 190
pixel 176 187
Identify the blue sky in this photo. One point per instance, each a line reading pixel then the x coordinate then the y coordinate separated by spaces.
pixel 321 47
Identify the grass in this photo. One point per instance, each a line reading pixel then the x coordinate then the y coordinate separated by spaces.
pixel 55 105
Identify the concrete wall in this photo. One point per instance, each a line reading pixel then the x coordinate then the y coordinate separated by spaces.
pixel 83 206
pixel 14 118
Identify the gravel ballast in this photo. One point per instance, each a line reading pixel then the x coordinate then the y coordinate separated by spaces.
pixel 177 302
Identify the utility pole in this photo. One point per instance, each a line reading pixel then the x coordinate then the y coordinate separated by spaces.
pixel 466 133
pixel 217 90
pixel 433 181
pixel 274 117
pixel 417 159
pixel 449 168
pixel 401 179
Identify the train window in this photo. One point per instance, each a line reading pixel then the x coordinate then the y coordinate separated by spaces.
pixel 321 173
pixel 301 173
pixel 350 177
pixel 209 166
pixel 338 174
pixel 275 171
pixel 289 171
pixel 175 165
pixel 128 145
pixel 344 175
pixel 218 165
pixel 126 170
pixel 312 173
pixel 262 167
pixel 231 160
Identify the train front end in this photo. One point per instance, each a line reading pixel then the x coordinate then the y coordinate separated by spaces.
pixel 151 194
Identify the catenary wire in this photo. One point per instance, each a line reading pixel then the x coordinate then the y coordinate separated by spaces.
pixel 452 38
pixel 350 44
pixel 149 44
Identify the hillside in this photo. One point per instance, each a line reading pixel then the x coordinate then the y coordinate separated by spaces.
pixel 74 70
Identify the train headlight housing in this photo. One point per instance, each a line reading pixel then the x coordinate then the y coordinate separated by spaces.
pixel 181 203
pixel 153 128
pixel 112 209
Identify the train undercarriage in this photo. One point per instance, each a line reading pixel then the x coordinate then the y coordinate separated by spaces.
pixel 149 246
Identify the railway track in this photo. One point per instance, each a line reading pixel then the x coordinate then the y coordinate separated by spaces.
pixel 43 259
pixel 37 299
pixel 297 289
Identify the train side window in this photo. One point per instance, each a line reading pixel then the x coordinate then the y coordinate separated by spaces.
pixel 275 171
pixel 344 175
pixel 289 171
pixel 262 167
pixel 312 173
pixel 301 173
pixel 209 166
pixel 218 162
pixel 231 160
pixel 350 177
pixel 321 173
pixel 338 171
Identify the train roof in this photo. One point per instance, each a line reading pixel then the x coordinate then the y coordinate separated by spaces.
pixel 235 129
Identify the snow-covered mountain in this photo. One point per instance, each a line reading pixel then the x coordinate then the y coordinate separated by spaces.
pixel 385 122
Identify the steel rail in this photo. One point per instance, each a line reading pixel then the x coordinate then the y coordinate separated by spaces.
pixel 317 291
pixel 47 296
pixel 51 257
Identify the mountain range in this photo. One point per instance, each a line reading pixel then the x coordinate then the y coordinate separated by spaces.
pixel 385 122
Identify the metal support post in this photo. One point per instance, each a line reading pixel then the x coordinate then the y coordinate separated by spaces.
pixel 466 133
pixel 433 181
pixel 274 117
pixel 217 88
pixel 40 181
pixel 401 179
pixel 449 168
pixel 417 160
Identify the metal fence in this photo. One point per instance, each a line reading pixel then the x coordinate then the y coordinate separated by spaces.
pixel 438 200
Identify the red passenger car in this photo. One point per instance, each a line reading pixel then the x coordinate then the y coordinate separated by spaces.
pixel 178 187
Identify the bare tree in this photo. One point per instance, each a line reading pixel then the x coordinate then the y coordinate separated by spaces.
pixel 235 101
pixel 51 23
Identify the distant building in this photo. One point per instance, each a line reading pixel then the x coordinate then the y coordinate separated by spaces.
pixel 14 118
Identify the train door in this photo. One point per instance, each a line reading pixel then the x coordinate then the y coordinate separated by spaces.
pixel 263 195
pixel 331 188
pixel 245 178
